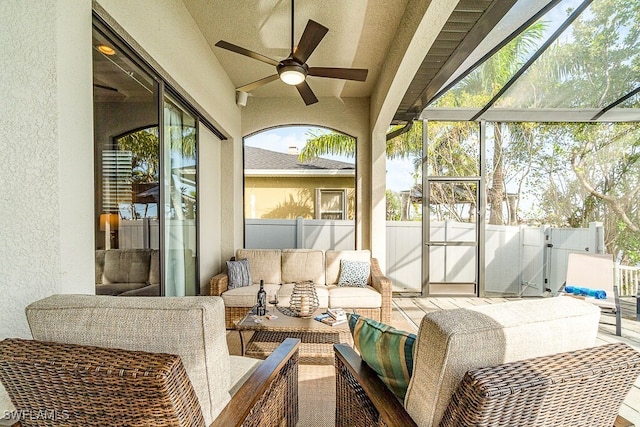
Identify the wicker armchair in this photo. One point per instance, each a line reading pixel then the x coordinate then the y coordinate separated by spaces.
pixel 524 363
pixel 67 384
pixel 93 340
pixel 583 387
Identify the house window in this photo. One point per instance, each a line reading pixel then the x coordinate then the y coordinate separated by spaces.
pixel 331 204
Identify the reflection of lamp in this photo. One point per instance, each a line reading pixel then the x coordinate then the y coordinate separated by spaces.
pixel 109 224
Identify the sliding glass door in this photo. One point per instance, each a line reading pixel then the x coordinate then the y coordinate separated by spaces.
pixel 145 177
pixel 180 190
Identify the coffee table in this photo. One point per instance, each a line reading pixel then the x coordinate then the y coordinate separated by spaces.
pixel 316 338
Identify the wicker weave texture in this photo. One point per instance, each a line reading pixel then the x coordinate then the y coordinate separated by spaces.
pixel 316 348
pixel 278 406
pixel 53 384
pixel 353 406
pixel 580 388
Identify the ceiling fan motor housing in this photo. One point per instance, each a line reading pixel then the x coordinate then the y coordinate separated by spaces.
pixel 292 72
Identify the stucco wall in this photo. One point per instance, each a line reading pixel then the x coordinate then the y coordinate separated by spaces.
pixel 45 135
pixel 286 197
pixel 46 196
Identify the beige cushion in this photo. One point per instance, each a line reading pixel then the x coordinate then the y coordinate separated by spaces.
pixel 332 263
pixel 118 288
pixel 354 297
pixel 246 296
pixel 264 264
pixel 191 327
pixel 451 342
pixel 284 296
pixel 241 370
pixel 299 265
pixel 126 266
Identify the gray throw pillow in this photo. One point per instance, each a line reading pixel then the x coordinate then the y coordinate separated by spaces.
pixel 354 273
pixel 238 273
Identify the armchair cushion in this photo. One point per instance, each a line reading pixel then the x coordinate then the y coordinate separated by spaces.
pixel 387 350
pixel 239 274
pixel 354 273
pixel 191 327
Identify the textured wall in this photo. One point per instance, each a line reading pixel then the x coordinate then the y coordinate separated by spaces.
pixel 46 197
pixel 40 175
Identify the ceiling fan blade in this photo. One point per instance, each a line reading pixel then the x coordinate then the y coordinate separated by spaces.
pixel 254 85
pixel 242 51
pixel 357 74
pixel 311 38
pixel 306 93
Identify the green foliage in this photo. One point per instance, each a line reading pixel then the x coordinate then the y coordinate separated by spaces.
pixel 320 143
pixel 394 206
pixel 144 147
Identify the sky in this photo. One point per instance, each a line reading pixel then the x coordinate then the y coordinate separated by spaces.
pixel 280 139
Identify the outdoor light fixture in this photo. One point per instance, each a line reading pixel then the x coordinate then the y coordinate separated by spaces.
pixel 109 224
pixel 291 72
pixel 107 50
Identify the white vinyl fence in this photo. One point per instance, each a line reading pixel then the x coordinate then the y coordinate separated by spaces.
pixel 520 260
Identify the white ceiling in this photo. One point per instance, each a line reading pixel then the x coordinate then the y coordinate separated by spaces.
pixel 360 33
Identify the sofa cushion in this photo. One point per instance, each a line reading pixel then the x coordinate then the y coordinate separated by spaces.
pixel 387 350
pixel 152 290
pixel 332 263
pixel 191 327
pixel 354 297
pixel 264 264
pixel 126 266
pixel 300 265
pixel 354 273
pixel 284 295
pixel 246 296
pixel 117 288
pixel 452 342
pixel 238 273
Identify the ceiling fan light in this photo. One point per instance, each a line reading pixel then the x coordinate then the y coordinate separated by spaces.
pixel 292 74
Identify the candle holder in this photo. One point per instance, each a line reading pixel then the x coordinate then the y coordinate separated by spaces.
pixel 304 299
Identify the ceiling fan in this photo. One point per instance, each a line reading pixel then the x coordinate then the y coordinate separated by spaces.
pixel 294 70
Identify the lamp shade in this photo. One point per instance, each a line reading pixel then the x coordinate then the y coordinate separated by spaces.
pixel 112 219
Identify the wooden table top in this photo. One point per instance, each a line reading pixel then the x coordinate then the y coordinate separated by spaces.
pixel 286 323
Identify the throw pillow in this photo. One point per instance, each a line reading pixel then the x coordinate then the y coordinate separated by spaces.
pixel 354 273
pixel 387 350
pixel 238 273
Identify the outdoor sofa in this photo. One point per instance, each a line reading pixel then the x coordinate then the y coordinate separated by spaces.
pixel 280 269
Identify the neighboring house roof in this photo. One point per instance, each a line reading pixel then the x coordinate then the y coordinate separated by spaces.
pixel 260 162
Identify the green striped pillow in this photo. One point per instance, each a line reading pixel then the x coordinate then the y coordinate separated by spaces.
pixel 387 350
